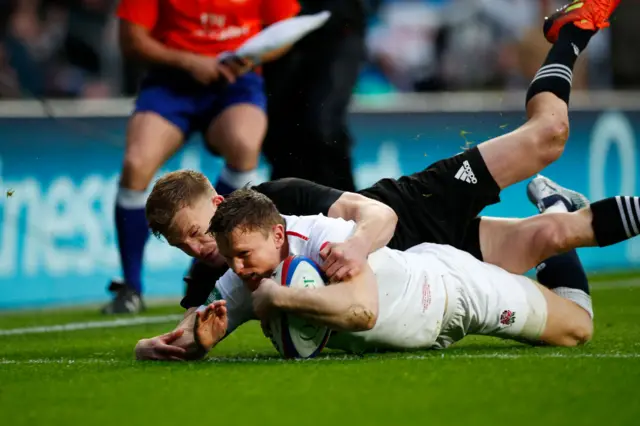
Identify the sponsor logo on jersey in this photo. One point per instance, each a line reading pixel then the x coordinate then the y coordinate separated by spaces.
pixel 465 173
pixel 426 296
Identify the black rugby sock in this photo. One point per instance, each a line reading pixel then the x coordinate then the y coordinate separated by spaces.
pixel 615 219
pixel 556 73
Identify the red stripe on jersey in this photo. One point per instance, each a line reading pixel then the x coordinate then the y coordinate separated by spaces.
pixel 295 234
pixel 324 245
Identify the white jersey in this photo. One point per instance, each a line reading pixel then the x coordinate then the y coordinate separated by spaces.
pixel 411 295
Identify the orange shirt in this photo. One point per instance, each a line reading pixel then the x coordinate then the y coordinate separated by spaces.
pixel 207 27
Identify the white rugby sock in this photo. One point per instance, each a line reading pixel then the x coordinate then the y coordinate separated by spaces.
pixel 577 296
pixel 130 198
pixel 557 207
pixel 237 179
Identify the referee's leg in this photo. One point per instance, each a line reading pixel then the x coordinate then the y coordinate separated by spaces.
pixel 312 141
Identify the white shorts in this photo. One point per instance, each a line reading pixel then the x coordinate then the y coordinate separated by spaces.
pixel 487 300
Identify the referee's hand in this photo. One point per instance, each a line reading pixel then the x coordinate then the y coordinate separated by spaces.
pixel 343 261
pixel 238 66
pixel 207 70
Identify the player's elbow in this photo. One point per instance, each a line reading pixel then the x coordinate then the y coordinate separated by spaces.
pixel 361 317
pixel 371 319
pixel 363 311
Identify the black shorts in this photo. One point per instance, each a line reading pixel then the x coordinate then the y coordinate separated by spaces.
pixel 441 203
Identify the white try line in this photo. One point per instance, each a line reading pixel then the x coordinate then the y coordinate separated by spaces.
pixel 124 322
pixel 434 355
pixel 337 358
pixel 128 322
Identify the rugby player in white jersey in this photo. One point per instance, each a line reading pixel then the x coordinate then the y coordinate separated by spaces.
pixel 429 296
pixel 458 188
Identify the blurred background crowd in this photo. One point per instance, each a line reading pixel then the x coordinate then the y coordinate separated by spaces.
pixel 68 48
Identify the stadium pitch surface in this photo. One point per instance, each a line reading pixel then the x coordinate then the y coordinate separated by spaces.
pixel 76 367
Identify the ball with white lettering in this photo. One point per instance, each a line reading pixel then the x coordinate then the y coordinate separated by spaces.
pixel 293 336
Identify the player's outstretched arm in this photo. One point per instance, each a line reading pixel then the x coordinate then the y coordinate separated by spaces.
pixel 176 345
pixel 375 226
pixel 346 306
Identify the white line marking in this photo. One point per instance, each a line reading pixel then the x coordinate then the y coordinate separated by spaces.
pixel 433 356
pixel 127 322
pixel 338 358
pixel 124 322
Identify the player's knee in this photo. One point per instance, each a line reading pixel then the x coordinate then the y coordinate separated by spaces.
pixel 584 333
pixel 241 152
pixel 137 172
pixel 579 334
pixel 550 237
pixel 551 137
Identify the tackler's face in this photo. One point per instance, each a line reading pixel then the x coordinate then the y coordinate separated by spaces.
pixel 253 254
pixel 188 231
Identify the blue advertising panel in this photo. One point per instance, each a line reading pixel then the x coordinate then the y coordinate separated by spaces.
pixel 57 239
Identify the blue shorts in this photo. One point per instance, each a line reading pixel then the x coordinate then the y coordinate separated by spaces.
pixel 190 106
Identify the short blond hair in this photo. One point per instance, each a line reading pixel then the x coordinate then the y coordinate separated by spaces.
pixel 171 193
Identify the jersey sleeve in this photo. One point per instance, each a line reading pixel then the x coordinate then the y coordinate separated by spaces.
pixel 200 282
pixel 327 230
pixel 273 11
pixel 299 197
pixel 139 12
pixel 239 304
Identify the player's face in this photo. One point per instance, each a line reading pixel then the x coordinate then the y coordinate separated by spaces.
pixel 254 255
pixel 188 230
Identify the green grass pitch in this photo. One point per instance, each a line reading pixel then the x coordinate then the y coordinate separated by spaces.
pixel 89 377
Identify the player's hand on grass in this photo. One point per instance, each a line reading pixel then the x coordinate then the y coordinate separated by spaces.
pixel 206 70
pixel 263 298
pixel 160 348
pixel 211 325
pixel 343 261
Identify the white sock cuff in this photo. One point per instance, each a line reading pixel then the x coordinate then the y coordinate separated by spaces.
pixel 131 199
pixel 557 207
pixel 578 297
pixel 238 179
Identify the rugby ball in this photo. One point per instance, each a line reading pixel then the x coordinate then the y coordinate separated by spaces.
pixel 292 336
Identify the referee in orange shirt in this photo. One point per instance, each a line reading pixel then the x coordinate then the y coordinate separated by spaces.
pixel 187 90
